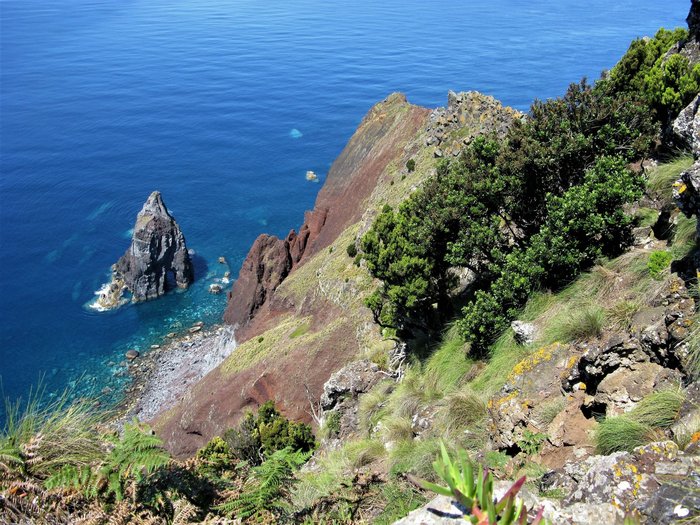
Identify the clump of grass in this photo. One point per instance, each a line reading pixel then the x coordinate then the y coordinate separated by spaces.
pixel 505 354
pixel 658 409
pixel 693 341
pixel 684 237
pixel 372 404
pixel 299 331
pixel 363 452
pixel 461 410
pixel 576 325
pixel 397 428
pixel 448 365
pixel 410 395
pixel 55 433
pixel 662 177
pixel 646 217
pixel 415 457
pixel 621 313
pixel 621 433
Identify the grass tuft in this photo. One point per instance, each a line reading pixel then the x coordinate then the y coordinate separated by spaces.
pixel 461 410
pixel 576 325
pixel 658 409
pixel 616 434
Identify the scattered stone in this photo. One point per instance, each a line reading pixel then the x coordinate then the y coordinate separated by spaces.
pixel 227 274
pixel 222 260
pixel 198 323
pixel 525 333
pixel 171 335
pixel 311 176
pixel 215 289
pixel 132 354
pixel 155 347
pixel 194 329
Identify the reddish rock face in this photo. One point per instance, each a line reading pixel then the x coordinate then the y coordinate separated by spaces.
pixel 379 139
pixel 267 264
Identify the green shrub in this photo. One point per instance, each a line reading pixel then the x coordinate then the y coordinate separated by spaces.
pixel 258 436
pixel 411 165
pixel 331 424
pixel 215 458
pixel 532 442
pixel 658 262
pixel 352 250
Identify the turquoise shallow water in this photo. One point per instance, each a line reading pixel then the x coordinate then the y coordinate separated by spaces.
pixel 223 106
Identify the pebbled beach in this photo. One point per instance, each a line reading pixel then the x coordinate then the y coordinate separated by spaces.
pixel 163 375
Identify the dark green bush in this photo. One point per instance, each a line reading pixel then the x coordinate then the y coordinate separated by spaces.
pixel 258 436
pixel 352 250
pixel 411 165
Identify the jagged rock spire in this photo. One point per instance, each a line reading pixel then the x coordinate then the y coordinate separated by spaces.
pixel 157 250
pixel 157 255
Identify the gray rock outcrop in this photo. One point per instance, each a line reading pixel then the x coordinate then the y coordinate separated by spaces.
pixel 686 190
pixel 157 255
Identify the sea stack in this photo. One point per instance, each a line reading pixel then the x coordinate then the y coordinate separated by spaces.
pixel 157 257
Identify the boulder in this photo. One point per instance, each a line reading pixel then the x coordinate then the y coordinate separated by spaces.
pixel 535 380
pixel 693 20
pixel 621 390
pixel 525 333
pixel 686 127
pixel 157 253
pixel 341 391
pixel 132 354
pixel 653 479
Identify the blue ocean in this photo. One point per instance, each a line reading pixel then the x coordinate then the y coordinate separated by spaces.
pixel 223 106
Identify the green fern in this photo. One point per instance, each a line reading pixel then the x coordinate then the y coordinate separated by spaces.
pixel 268 488
pixel 134 457
pixel 11 461
pixel 80 478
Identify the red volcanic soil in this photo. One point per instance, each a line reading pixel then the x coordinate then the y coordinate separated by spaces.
pixel 220 398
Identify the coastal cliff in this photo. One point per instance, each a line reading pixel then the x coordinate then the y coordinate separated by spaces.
pixel 298 303
pixel 378 141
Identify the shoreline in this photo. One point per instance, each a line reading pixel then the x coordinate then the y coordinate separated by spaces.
pixel 161 376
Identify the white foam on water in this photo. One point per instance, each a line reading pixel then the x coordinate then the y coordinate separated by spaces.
pixel 102 292
pixel 128 233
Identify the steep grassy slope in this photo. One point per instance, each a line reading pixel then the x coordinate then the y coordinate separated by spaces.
pixel 449 396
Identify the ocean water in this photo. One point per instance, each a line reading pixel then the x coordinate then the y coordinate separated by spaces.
pixel 223 106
